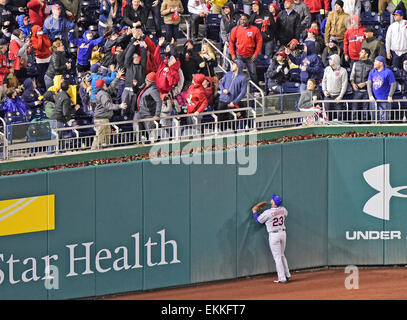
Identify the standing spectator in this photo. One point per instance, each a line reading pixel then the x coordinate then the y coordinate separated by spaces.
pixel 208 61
pixel 273 10
pixel 381 85
pixel 229 20
pixel 375 46
pixel 336 24
pixel 353 39
pixel 85 47
pixel 267 26
pixel 334 85
pixel 313 35
pixel 148 105
pixel 396 40
pixel 196 97
pixel 63 112
pixel 358 78
pixel 42 45
pixel 171 10
pixel 309 63
pixel 134 15
pixel 318 9
pixel 247 7
pixel 190 61
pixel 36 11
pixel 4 67
pixel 331 49
pixel 56 26
pixel 24 24
pixel 308 96
pixel 109 15
pixel 288 24
pixel 154 6
pixel 277 73
pixel 198 10
pixel 245 45
pixel 233 88
pixel 352 7
pixel 305 15
pixel 18 54
pixel 104 109
pixel 30 94
pixel 167 75
pixel 57 63
pixel 72 9
pixel 7 20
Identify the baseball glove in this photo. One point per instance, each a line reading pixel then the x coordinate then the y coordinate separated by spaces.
pixel 258 206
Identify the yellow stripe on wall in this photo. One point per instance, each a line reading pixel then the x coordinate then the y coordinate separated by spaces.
pixel 27 215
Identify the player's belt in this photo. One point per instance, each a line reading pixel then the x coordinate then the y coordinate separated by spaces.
pixel 278 230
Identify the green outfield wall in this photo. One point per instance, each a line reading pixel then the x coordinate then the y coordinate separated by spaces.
pixel 144 225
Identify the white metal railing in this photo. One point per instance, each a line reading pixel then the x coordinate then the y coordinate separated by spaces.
pixel 363 111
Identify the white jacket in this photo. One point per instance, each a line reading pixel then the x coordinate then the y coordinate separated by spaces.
pixel 197 6
pixel 396 37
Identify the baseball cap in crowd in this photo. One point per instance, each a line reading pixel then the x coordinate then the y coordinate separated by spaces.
pixel 151 77
pixel 100 83
pixel 277 200
pixel 256 2
pixel 294 42
pixel 399 12
pixel 312 30
pixel 56 6
pixel 381 59
pixel 281 53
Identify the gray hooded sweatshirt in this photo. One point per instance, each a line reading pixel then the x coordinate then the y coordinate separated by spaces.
pixel 335 81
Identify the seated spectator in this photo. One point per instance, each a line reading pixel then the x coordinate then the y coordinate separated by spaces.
pixel 313 35
pixel 334 86
pixel 310 95
pixel 209 88
pixel 396 40
pixel 277 73
pixel 267 26
pixel 331 49
pixel 37 12
pixel 381 85
pixel 13 102
pixel 358 78
pixel 104 108
pixel 31 94
pixel 353 39
pixel 48 102
pixel 309 63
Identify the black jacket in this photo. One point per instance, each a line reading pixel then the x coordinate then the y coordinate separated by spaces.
pixel 277 73
pixel 190 61
pixel 135 71
pixel 56 64
pixel 258 20
pixel 227 23
pixel 63 108
pixel 131 16
pixel 288 26
pixel 360 72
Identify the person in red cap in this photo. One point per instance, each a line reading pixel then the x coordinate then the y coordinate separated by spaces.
pixel 313 34
pixel 56 25
pixel 148 106
pixel 104 107
pixel 288 24
pixel 277 73
pixel 196 96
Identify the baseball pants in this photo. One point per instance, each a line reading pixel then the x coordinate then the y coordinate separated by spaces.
pixel 277 242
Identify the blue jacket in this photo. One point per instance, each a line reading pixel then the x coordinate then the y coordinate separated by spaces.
pixel 104 13
pixel 235 84
pixel 94 77
pixel 57 28
pixel 312 61
pixel 25 28
pixel 85 47
pixel 12 105
pixel 29 96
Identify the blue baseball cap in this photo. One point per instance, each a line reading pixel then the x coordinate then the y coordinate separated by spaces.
pixel 381 59
pixel 400 12
pixel 277 200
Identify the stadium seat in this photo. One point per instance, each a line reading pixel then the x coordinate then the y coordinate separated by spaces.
pixel 369 18
pixel 212 26
pixel 295 75
pixel 291 87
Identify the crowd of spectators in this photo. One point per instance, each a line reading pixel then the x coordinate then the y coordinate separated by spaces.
pixel 98 60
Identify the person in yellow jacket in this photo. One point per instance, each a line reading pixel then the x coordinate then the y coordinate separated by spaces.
pixel 336 24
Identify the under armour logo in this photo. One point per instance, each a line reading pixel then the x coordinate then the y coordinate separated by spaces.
pixel 378 178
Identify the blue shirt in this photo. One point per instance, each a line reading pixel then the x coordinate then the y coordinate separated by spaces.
pixel 381 81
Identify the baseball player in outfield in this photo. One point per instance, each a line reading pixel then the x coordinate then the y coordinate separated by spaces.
pixel 274 218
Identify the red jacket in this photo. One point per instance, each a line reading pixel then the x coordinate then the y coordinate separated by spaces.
pixel 36 12
pixel 352 42
pixel 196 96
pixel 165 79
pixel 40 43
pixel 4 70
pixel 246 42
pixel 209 91
pixel 151 65
pixel 12 54
pixel 316 5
